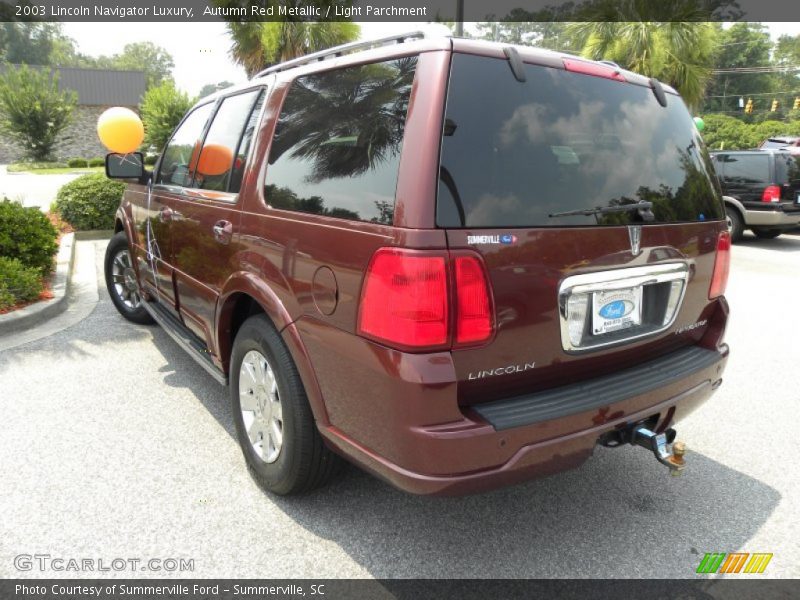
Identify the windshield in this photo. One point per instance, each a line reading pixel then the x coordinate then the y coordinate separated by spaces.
pixel 514 154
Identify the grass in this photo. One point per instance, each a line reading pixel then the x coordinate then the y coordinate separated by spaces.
pixel 51 169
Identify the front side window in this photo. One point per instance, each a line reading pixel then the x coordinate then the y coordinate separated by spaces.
pixel 220 155
pixel 181 151
pixel 336 148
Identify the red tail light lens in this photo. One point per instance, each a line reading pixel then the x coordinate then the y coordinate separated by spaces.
pixel 425 300
pixel 722 266
pixel 405 299
pixel 473 306
pixel 772 193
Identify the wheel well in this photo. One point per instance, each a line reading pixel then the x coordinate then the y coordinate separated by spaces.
pixel 238 308
pixel 118 226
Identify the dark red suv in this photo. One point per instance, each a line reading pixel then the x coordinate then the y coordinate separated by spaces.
pixel 456 264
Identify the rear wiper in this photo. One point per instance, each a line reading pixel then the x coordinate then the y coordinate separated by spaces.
pixel 643 208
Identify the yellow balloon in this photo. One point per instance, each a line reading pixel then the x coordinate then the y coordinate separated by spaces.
pixel 120 129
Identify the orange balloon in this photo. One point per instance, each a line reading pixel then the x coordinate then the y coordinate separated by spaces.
pixel 120 129
pixel 215 159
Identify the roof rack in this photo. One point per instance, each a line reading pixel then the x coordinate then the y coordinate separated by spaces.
pixel 347 48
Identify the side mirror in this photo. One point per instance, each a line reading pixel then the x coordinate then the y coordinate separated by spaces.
pixel 125 166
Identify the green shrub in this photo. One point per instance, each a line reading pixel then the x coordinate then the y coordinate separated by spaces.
pixel 78 163
pixel 33 110
pixel 18 283
pixel 97 162
pixel 150 159
pixel 34 166
pixel 90 201
pixel 27 235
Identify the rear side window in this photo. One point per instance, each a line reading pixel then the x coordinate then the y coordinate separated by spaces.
pixel 337 143
pixel 745 168
pixel 513 153
pixel 181 152
pixel 220 154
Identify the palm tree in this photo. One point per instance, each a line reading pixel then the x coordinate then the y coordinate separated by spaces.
pixel 678 52
pixel 257 45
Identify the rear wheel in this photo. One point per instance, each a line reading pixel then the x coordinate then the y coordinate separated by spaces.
pixel 735 223
pixel 121 282
pixel 274 423
pixel 766 234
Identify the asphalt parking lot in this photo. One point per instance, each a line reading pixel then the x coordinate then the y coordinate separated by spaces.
pixel 114 444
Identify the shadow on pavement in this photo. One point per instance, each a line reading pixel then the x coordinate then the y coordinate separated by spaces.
pixel 786 242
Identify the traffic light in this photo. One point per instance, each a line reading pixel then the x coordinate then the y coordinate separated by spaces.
pixel 796 105
pixel 774 106
pixel 748 108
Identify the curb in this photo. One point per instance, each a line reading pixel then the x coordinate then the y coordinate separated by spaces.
pixel 32 315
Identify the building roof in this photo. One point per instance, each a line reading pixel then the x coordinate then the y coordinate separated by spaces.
pixel 104 87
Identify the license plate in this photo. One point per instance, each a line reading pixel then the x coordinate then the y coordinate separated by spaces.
pixel 616 309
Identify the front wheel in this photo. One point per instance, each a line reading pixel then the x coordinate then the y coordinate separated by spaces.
pixel 274 424
pixel 121 281
pixel 766 234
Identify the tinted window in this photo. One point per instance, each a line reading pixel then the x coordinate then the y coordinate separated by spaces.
pixel 787 169
pixel 337 143
pixel 513 153
pixel 221 145
pixel 244 146
pixel 175 167
pixel 745 168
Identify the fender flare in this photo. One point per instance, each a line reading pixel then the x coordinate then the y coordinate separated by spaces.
pixel 251 285
pixel 729 200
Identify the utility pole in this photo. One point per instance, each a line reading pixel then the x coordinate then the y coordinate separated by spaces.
pixel 459 18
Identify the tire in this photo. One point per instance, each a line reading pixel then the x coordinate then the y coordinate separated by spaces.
pixel 766 234
pixel 121 283
pixel 286 455
pixel 735 223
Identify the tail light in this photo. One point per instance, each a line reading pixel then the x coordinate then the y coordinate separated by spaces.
pixel 591 68
pixel 411 301
pixel 772 193
pixel 473 305
pixel 722 266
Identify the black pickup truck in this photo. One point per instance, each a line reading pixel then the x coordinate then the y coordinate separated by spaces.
pixel 761 190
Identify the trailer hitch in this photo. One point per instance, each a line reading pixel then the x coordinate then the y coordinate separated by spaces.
pixel 661 445
pixel 658 444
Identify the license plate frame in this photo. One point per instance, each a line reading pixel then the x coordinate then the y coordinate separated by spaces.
pixel 615 310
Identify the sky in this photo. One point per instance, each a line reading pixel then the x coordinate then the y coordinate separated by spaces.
pixel 200 50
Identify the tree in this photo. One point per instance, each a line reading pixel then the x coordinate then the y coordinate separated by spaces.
pixel 210 88
pixel 741 45
pixel 679 53
pixel 156 62
pixel 258 45
pixel 33 111
pixel 27 43
pixel 162 109
pixel 787 54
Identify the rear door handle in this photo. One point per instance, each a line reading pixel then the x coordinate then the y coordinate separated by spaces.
pixel 223 231
pixel 166 214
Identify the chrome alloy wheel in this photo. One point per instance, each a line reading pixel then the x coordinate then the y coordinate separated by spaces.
pixel 124 278
pixel 260 405
pixel 729 223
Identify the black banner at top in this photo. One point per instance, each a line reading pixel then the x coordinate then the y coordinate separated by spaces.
pixel 399 10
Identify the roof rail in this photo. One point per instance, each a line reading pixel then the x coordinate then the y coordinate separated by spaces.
pixel 347 48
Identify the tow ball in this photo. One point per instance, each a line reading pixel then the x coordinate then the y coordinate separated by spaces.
pixel 667 453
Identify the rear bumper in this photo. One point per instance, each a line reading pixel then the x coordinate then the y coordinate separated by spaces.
pixel 552 455
pixel 777 219
pixel 395 414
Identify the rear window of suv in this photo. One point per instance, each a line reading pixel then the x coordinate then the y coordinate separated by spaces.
pixel 513 153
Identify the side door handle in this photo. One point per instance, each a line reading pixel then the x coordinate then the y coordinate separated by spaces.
pixel 223 232
pixel 166 214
